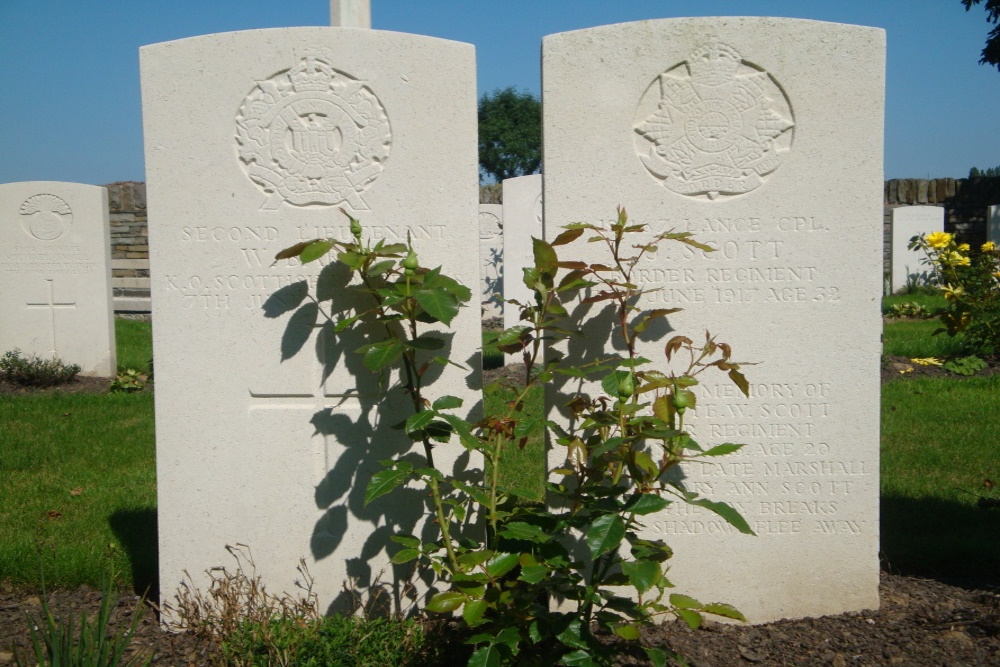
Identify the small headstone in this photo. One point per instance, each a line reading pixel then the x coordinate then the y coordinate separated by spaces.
pixel 760 137
pixel 522 214
pixel 907 222
pixel 268 425
pixel 491 259
pixel 993 225
pixel 55 275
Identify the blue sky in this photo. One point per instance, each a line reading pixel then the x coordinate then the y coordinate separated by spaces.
pixel 69 87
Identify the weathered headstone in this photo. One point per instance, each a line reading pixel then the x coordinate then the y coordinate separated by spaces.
pixel 55 275
pixel 522 214
pixel 761 137
pixel 907 222
pixel 993 225
pixel 268 426
pixel 491 259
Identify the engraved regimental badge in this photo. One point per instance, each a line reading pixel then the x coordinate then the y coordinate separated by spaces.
pixel 45 216
pixel 713 125
pixel 312 135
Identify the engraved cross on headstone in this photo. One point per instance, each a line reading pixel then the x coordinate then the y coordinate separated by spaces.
pixel 51 305
pixel 314 397
pixel 350 13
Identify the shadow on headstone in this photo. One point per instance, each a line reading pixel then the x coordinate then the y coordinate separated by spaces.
pixel 364 436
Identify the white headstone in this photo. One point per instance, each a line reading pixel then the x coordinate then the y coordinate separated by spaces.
pixel 763 136
pixel 993 225
pixel 268 426
pixel 351 13
pixel 491 259
pixel 907 222
pixel 55 275
pixel 522 214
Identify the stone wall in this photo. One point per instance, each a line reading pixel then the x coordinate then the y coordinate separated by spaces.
pixel 129 245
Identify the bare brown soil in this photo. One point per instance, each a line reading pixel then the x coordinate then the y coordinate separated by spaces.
pixel 79 385
pixel 920 622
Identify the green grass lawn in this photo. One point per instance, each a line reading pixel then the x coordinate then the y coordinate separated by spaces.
pixel 78 493
pixel 79 488
pixel 939 455
pixel 134 343
pixel 930 298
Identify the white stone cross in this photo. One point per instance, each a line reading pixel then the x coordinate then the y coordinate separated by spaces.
pixel 350 13
pixel 51 304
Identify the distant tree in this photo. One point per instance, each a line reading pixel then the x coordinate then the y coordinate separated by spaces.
pixel 992 172
pixel 991 52
pixel 510 134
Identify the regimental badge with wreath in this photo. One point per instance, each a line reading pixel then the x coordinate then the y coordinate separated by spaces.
pixel 312 135
pixel 45 216
pixel 713 125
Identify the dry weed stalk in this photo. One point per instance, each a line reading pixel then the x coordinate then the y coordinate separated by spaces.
pixel 238 597
pixel 378 600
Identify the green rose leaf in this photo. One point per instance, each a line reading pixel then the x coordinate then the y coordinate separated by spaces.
pixel 404 556
pixel 726 512
pixel 425 343
pixel 473 612
pixel 295 250
pixel 386 480
pixel 501 564
pixel 656 656
pixel 722 609
pixel 315 250
pixel 446 601
pixel 440 304
pixel 720 450
pixel 518 530
pixel 348 257
pixel 545 256
pixel 447 402
pixel 605 534
pixel 379 268
pixel 382 354
pixel 643 574
pixel 418 421
pixel 572 636
pixel 627 631
pixel 534 574
pixel 647 503
pixel 406 540
pixel 684 601
pixel 578 658
pixel 487 656
pixel 692 618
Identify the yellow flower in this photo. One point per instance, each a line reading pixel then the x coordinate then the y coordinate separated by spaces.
pixel 964 247
pixel 955 323
pixel 997 274
pixel 953 293
pixel 954 258
pixel 989 246
pixel 908 369
pixel 927 361
pixel 938 239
